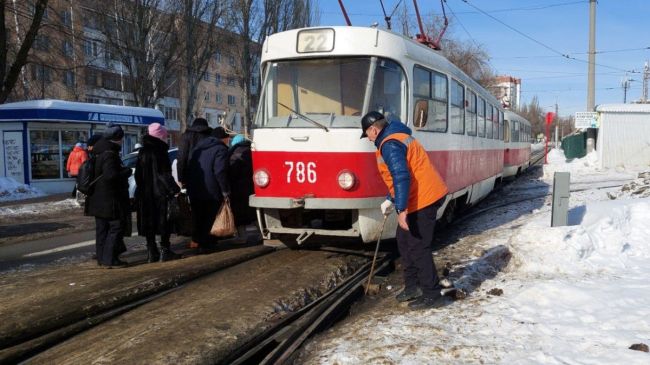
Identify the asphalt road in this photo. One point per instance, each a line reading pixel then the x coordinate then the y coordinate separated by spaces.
pixel 72 247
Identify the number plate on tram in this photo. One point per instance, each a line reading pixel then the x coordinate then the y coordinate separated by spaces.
pixel 315 40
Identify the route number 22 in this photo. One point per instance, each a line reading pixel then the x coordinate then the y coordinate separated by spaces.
pixel 301 171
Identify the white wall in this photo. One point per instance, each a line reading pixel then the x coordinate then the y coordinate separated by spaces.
pixel 624 139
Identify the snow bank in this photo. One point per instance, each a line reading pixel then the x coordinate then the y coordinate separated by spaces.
pixel 571 295
pixel 35 210
pixel 558 162
pixel 10 190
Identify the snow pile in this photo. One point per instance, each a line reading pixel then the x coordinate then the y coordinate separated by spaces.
pixel 10 190
pixel 30 211
pixel 639 188
pixel 569 295
pixel 558 162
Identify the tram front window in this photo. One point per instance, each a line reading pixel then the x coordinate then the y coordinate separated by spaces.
pixel 332 92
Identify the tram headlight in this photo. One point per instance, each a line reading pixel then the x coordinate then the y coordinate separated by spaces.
pixel 261 178
pixel 346 179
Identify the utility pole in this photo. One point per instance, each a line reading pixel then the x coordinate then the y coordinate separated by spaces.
pixel 558 121
pixel 625 83
pixel 591 82
pixel 646 79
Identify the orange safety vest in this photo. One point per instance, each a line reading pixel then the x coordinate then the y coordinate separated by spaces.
pixel 427 186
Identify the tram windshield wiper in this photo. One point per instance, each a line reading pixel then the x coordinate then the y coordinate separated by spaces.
pixel 305 118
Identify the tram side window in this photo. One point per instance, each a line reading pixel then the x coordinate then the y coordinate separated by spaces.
pixel 516 134
pixel 501 131
pixel 506 131
pixel 489 109
pixel 470 113
pixel 457 109
pixel 481 117
pixel 495 122
pixel 421 92
pixel 430 91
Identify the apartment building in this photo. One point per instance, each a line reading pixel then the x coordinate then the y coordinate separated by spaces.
pixel 72 60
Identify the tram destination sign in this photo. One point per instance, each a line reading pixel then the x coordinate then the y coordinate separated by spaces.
pixel 315 40
pixel 586 120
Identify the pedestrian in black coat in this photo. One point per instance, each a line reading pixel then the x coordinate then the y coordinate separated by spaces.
pixel 155 187
pixel 240 176
pixel 198 131
pixel 109 202
pixel 207 186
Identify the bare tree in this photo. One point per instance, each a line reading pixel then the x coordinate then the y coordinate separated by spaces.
pixel 534 114
pixel 140 37
pixel 198 26
pixel 470 57
pixel 254 20
pixel 14 51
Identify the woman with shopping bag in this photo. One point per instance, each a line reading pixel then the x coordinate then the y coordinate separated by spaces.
pixel 207 185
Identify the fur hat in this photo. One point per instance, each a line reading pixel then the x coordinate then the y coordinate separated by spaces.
pixel 158 131
pixel 113 132
pixel 200 122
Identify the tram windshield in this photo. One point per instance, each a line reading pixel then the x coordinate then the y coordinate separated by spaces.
pixel 333 92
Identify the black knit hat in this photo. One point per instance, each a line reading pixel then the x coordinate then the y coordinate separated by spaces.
pixel 220 133
pixel 368 120
pixel 113 132
pixel 200 122
pixel 93 139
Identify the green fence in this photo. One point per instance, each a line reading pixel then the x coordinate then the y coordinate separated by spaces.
pixel 575 146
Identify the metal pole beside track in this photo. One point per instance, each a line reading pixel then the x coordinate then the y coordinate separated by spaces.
pixel 374 258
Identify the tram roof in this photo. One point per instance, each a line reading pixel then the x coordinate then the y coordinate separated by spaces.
pixel 510 115
pixel 70 111
pixel 368 41
pixel 623 108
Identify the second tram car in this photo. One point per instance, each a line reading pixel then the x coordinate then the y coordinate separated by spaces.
pixel 517 140
pixel 314 176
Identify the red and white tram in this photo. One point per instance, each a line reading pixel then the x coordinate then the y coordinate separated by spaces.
pixel 314 176
pixel 517 139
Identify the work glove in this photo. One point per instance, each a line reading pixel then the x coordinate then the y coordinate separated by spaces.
pixel 387 207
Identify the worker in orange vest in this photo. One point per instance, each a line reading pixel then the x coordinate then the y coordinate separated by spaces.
pixel 77 157
pixel 416 191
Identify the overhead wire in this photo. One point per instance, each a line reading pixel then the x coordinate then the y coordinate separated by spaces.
pixel 553 50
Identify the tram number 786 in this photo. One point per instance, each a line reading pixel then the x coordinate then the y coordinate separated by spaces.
pixel 301 171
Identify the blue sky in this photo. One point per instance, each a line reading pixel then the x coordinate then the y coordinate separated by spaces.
pixel 622 35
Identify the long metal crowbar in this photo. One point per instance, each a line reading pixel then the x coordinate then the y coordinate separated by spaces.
pixel 374 259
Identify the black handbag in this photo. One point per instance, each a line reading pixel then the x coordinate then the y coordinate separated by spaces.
pixel 179 214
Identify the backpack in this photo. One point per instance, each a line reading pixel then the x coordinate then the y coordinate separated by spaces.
pixel 86 177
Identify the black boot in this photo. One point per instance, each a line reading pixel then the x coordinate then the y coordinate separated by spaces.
pixel 153 255
pixel 166 253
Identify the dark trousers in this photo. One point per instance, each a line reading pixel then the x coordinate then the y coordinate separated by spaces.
pixel 109 236
pixel 415 249
pixel 203 215
pixel 156 222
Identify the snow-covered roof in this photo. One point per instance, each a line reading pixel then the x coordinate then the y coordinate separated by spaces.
pixel 623 108
pixel 69 111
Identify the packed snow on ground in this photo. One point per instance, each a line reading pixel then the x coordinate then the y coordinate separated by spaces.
pixel 578 294
pixel 33 210
pixel 11 190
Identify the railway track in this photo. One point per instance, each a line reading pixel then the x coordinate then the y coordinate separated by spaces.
pixel 274 344
pixel 18 343
pixel 278 344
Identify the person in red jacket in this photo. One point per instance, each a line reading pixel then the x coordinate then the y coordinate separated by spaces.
pixel 77 157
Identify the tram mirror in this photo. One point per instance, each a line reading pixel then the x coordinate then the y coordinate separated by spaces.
pixel 421 114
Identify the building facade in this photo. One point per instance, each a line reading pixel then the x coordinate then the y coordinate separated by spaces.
pixel 72 60
pixel 507 90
